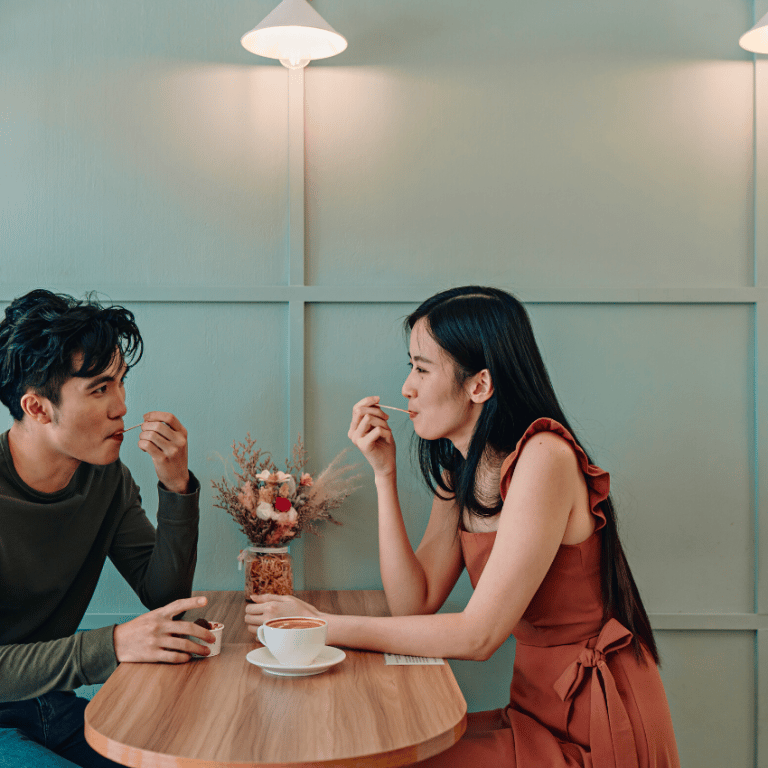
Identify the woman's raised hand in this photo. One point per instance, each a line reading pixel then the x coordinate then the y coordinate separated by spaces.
pixel 370 432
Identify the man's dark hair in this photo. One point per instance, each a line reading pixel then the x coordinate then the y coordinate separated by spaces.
pixel 43 331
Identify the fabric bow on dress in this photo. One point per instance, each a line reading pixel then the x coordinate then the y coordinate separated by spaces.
pixel 612 741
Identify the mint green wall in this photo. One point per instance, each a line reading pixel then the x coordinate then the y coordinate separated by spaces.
pixel 605 161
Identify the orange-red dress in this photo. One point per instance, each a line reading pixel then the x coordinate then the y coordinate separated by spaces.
pixel 579 696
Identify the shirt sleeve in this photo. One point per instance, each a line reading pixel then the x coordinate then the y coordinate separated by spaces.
pixel 28 670
pixel 159 564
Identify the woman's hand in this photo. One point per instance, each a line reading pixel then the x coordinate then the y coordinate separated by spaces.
pixel 370 432
pixel 267 607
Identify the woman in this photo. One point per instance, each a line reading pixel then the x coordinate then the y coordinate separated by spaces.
pixel 518 503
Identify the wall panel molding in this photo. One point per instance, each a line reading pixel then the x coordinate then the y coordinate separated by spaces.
pixel 403 294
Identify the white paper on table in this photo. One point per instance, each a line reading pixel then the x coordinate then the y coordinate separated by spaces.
pixel 397 659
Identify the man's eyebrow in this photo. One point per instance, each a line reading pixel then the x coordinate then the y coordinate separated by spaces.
pixel 98 381
pixel 104 378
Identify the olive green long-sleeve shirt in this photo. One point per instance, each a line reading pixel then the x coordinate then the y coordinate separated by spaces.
pixel 52 550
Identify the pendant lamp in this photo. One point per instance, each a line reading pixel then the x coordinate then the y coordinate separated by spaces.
pixel 295 33
pixel 756 39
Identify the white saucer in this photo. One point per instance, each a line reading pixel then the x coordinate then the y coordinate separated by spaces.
pixel 328 658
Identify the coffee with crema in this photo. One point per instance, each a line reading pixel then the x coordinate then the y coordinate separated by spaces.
pixel 295 623
pixel 294 640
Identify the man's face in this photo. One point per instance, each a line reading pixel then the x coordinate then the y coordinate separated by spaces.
pixel 86 423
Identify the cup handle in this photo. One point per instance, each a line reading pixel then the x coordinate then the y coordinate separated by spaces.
pixel 260 634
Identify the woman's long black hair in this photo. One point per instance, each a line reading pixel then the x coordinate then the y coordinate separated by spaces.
pixel 481 328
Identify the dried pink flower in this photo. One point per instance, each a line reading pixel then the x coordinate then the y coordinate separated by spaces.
pixel 247 497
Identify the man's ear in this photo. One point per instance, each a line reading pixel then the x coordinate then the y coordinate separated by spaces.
pixel 37 407
pixel 481 386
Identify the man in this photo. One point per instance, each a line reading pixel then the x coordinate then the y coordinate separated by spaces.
pixel 66 504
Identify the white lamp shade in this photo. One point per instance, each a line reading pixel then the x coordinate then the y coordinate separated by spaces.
pixel 756 39
pixel 294 32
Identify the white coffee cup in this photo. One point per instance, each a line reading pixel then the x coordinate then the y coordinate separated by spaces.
pixel 295 641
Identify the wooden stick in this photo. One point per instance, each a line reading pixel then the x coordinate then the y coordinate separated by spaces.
pixel 130 428
pixel 392 408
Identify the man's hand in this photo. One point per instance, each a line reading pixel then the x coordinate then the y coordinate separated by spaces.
pixel 155 636
pixel 164 438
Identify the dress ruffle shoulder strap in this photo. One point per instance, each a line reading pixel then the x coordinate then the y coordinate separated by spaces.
pixel 598 480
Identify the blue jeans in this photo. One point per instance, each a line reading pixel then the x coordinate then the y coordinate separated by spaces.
pixel 47 732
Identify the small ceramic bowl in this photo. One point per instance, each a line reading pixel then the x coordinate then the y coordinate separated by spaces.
pixel 217 629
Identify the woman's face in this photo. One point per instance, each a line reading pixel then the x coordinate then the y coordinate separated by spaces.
pixel 439 406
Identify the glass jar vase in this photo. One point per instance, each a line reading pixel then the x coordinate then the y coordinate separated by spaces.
pixel 268 571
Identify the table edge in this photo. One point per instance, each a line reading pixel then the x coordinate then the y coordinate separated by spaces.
pixel 396 758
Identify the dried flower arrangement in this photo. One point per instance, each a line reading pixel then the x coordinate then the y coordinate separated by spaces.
pixel 274 507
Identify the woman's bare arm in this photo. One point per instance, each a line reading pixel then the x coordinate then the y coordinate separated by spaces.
pixel 545 492
pixel 417 582
pixel 414 582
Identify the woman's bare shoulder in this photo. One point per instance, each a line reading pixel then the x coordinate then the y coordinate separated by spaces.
pixel 549 450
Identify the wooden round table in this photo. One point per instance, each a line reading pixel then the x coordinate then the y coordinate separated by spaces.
pixel 225 711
